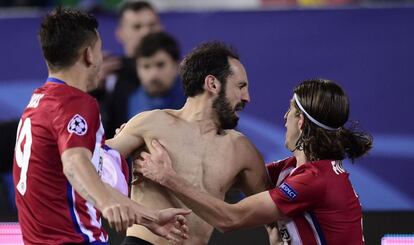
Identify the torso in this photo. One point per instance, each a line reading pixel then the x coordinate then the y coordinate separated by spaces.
pixel 49 209
pixel 327 212
pixel 210 161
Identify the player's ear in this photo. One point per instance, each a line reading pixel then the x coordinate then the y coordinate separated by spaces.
pixel 301 121
pixel 212 84
pixel 87 56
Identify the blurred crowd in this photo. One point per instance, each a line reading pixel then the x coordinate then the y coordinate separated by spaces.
pixel 112 5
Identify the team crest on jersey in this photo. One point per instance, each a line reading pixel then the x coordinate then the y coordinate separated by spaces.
pixel 78 125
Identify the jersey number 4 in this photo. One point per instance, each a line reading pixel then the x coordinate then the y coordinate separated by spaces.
pixel 22 156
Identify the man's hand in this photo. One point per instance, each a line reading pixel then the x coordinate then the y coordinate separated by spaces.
pixel 118 130
pixel 156 165
pixel 120 216
pixel 170 224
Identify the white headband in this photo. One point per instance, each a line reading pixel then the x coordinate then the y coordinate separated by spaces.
pixel 295 96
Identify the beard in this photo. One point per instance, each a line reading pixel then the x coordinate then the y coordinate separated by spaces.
pixel 226 114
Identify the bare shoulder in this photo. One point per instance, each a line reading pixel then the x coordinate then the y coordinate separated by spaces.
pixel 150 119
pixel 246 150
pixel 240 140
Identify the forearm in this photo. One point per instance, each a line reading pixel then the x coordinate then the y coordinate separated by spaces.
pixel 252 211
pixel 144 213
pixel 218 213
pixel 86 182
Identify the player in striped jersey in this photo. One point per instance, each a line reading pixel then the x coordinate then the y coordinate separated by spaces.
pixel 313 201
pixel 59 194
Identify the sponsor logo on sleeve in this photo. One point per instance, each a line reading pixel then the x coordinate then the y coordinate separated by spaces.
pixel 289 191
pixel 77 125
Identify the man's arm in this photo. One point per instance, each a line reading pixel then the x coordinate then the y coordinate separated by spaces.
pixel 84 179
pixel 119 210
pixel 129 137
pixel 255 210
pixel 253 178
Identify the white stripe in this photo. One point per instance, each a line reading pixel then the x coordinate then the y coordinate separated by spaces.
pixel 81 225
pixel 96 161
pixel 294 233
pixel 98 144
pixel 312 225
pixel 283 175
pixel 93 219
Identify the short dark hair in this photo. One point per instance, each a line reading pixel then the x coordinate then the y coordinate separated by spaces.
pixel 63 32
pixel 211 58
pixel 326 102
pixel 134 6
pixel 160 41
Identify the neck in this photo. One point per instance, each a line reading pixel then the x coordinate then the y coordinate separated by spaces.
pixel 199 110
pixel 300 157
pixel 72 77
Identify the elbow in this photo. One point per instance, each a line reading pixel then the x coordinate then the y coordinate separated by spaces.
pixel 68 171
pixel 229 222
pixel 224 228
pixel 70 166
pixel 227 226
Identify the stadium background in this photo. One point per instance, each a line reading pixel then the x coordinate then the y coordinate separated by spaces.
pixel 367 49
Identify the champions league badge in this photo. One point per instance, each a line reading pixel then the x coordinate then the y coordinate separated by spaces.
pixel 78 125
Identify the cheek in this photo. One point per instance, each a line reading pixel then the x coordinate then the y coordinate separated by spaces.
pixel 144 74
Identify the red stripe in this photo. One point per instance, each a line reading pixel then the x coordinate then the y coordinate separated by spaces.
pixel 305 231
pixel 85 218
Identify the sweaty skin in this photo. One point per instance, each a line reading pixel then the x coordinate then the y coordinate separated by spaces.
pixel 214 161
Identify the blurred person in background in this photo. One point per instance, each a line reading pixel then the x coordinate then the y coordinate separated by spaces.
pixel 157 60
pixel 118 74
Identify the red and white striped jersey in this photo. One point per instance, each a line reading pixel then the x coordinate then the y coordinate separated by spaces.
pixel 58 117
pixel 320 202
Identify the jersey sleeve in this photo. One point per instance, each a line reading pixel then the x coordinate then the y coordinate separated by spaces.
pixel 299 192
pixel 274 168
pixel 76 123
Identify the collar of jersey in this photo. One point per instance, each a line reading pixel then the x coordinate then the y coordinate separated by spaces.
pixel 54 80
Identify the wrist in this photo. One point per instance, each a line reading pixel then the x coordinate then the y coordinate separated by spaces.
pixel 169 180
pixel 148 216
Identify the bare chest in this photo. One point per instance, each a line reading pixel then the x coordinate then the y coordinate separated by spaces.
pixel 210 162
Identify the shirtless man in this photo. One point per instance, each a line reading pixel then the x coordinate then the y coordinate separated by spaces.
pixel 199 134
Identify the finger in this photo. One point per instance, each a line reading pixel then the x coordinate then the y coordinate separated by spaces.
pixel 117 219
pixel 131 217
pixel 181 219
pixel 109 216
pixel 140 166
pixel 157 146
pixel 118 130
pixel 183 230
pixel 179 233
pixel 171 238
pixel 125 222
pixel 181 212
pixel 145 155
